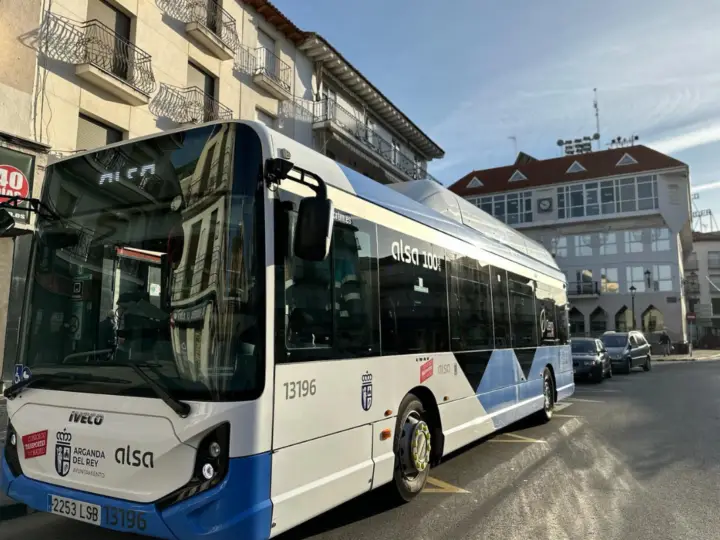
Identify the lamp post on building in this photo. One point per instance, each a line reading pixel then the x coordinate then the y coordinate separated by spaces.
pixel 632 297
pixel 648 283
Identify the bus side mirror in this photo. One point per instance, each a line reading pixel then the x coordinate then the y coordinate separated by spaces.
pixel 313 230
pixel 7 223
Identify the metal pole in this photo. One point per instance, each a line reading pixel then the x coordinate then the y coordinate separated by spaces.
pixel 633 311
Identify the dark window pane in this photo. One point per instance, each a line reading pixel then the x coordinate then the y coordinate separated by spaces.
pixel 522 311
pixel 470 305
pixel 501 313
pixel 413 295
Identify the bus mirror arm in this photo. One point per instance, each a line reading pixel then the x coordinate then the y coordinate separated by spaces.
pixel 315 217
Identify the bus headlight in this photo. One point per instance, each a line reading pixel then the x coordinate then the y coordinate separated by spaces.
pixel 211 466
pixel 13 439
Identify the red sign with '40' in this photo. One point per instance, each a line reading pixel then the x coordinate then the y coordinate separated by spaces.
pixel 13 183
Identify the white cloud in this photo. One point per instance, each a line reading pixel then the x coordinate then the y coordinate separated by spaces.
pixel 705 187
pixel 689 139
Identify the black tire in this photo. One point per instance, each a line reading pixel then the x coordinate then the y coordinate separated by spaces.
pixel 609 372
pixel 628 366
pixel 408 481
pixel 545 414
pixel 599 376
pixel 647 366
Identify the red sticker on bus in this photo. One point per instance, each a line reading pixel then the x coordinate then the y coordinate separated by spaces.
pixel 35 444
pixel 426 370
pixel 13 183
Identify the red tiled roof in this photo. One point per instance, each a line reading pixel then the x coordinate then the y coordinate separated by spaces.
pixel 554 171
pixel 706 236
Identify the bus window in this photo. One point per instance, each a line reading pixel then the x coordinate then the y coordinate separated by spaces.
pixel 327 309
pixel 471 326
pixel 522 311
pixel 501 313
pixel 413 295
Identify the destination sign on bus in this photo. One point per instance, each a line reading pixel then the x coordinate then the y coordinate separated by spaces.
pixel 131 173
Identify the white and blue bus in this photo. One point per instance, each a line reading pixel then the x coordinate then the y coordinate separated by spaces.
pixel 226 334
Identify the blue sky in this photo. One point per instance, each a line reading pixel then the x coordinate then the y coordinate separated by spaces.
pixel 472 73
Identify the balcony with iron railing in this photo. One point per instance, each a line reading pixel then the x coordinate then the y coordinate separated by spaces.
pixel 207 23
pixel 329 113
pixel 188 105
pixel 583 288
pixel 268 71
pixel 201 278
pixel 102 57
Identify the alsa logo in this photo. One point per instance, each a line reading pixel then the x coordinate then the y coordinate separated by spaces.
pixel 134 458
pixel 426 370
pixel 94 419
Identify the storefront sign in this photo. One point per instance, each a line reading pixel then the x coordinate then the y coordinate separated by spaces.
pixel 16 178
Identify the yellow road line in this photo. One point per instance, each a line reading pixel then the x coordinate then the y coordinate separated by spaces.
pixel 442 487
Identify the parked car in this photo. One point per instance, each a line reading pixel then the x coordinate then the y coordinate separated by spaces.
pixel 590 359
pixel 627 350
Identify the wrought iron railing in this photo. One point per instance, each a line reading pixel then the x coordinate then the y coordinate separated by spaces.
pixel 208 13
pixel 330 110
pixel 583 287
pixel 94 43
pixel 270 65
pixel 188 105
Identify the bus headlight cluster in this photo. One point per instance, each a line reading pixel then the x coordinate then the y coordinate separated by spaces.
pixel 13 439
pixel 208 471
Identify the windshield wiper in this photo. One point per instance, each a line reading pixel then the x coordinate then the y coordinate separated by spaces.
pixel 15 389
pixel 180 407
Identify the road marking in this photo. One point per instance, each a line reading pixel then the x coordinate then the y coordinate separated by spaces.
pixel 597 391
pixel 567 416
pixel 562 406
pixel 442 487
pixel 515 438
pixel 576 400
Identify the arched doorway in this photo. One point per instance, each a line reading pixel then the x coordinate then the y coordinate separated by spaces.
pixel 598 322
pixel 577 323
pixel 652 320
pixel 623 320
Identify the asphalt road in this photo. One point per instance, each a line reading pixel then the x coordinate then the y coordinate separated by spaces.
pixel 634 457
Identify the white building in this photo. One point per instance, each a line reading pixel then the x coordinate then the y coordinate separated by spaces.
pixel 618 221
pixel 702 285
pixel 78 74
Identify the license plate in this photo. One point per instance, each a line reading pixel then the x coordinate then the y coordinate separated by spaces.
pixel 81 511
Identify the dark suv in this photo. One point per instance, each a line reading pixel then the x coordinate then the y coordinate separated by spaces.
pixel 627 350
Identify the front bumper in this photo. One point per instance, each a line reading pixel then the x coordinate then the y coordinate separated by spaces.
pixel 238 507
pixel 592 370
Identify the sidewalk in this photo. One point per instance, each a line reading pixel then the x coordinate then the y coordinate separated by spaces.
pixel 699 355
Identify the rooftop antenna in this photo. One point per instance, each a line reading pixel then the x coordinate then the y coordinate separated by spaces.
pixel 513 138
pixel 597 118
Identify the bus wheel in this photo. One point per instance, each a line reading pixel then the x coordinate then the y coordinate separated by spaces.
pixel 546 413
pixel 412 447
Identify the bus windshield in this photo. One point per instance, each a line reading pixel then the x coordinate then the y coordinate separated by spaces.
pixel 163 275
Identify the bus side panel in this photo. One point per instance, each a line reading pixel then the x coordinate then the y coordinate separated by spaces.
pixel 312 477
pixel 464 421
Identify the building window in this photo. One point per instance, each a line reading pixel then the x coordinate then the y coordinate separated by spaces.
pixel 598 322
pixel 608 243
pixel 93 134
pixel 623 320
pixel 662 277
pixel 635 278
pixel 660 239
pixel 577 323
pixel 583 245
pixel 634 241
pixel 519 208
pixel 265 118
pixel 652 320
pixel 609 281
pixel 119 24
pixel 647 192
pixel 486 205
pixel 715 303
pixel 499 207
pixel 561 246
pixel 713 259
pixel 607 197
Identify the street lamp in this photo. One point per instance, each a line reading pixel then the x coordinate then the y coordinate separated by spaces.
pixel 648 283
pixel 632 296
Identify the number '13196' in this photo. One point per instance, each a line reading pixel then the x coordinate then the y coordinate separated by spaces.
pixel 300 389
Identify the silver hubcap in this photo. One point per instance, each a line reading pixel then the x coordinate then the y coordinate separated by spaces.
pixel 547 391
pixel 414 446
